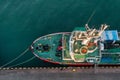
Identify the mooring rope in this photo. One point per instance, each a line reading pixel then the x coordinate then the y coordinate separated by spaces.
pixel 23 62
pixel 15 58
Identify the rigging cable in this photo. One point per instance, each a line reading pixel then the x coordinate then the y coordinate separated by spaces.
pixel 89 19
pixel 93 13
pixel 23 62
pixel 15 58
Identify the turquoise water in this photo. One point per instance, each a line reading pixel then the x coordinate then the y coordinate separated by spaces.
pixel 22 21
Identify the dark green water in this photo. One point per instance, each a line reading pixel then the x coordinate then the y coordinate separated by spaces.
pixel 22 21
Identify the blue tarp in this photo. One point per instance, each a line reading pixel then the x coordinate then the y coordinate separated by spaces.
pixel 106 59
pixel 110 35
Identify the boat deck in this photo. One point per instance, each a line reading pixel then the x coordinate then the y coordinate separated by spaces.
pixel 53 41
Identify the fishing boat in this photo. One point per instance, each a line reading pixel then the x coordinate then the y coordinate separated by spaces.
pixel 81 47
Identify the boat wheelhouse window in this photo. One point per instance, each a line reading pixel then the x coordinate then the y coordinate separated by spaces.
pixel 109 44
